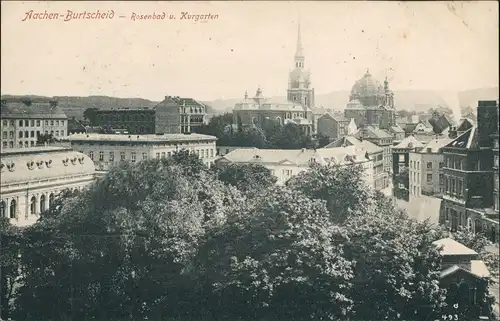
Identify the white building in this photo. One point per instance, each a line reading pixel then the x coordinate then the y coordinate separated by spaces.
pixel 285 163
pixel 110 149
pixel 427 178
pixel 23 121
pixel 30 178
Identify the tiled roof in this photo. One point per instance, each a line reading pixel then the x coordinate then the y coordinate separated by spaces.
pixel 452 247
pixel 479 268
pixel 370 147
pixel 410 128
pixel 40 110
pixel 372 132
pixel 409 141
pixel 397 129
pixel 466 140
pixel 436 144
pixel 140 138
pixel 43 163
pixel 298 157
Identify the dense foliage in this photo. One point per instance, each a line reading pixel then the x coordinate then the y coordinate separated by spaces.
pixel 168 239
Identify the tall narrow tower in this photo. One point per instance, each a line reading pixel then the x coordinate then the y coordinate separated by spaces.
pixel 299 83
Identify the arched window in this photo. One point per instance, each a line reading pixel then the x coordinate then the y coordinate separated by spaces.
pixel 42 203
pixel 2 209
pixel 33 205
pixel 26 144
pixel 51 199
pixel 278 120
pixel 13 209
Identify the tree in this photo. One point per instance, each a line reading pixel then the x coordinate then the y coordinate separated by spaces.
pixel 281 260
pixel 91 115
pixel 43 139
pixel 10 241
pixel 343 188
pixel 248 178
pixel 323 140
pixel 397 268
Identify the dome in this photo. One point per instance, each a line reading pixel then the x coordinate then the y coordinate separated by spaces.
pixel 367 87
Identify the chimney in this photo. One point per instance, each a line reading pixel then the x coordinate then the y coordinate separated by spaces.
pixel 487 121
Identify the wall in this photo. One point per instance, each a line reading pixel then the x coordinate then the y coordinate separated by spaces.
pixel 23 192
pixel 205 150
pixel 10 129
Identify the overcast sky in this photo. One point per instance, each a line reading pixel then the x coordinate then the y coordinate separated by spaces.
pixel 426 45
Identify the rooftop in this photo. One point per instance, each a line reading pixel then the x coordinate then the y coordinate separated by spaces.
pixel 298 157
pixel 452 247
pixel 140 138
pixel 409 142
pixel 19 109
pixel 435 145
pixel 32 165
pixel 370 147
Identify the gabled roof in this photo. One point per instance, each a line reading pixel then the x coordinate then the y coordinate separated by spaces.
pixel 41 110
pixel 436 144
pixel 466 140
pixel 465 124
pixel 396 129
pixel 452 247
pixel 372 132
pixel 299 157
pixel 370 147
pixel 409 128
pixel 409 142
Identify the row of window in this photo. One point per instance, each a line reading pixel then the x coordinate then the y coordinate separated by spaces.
pixel 33 206
pixel 28 123
pixel 453 186
pixel 202 153
pixel 32 134
pixel 21 144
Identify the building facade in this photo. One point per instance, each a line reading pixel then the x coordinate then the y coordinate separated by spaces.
pixel 286 163
pixel 381 179
pixel 31 178
pixel 470 176
pixel 107 150
pixel 333 125
pixel 24 120
pixel 380 138
pixel 171 116
pixel 371 104
pixel 428 177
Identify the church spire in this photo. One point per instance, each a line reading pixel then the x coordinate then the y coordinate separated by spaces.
pixel 299 52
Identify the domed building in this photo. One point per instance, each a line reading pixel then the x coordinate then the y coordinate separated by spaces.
pixel 371 103
pixel 31 178
pixel 297 108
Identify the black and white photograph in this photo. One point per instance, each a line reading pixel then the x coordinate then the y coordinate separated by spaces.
pixel 249 161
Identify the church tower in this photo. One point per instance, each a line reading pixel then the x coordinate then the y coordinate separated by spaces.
pixel 299 83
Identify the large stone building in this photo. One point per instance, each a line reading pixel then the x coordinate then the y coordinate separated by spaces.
pixel 470 176
pixel 173 115
pixel 285 163
pixel 298 108
pixel 24 120
pixel 381 138
pixel 370 103
pixel 427 178
pixel 31 178
pixel 106 150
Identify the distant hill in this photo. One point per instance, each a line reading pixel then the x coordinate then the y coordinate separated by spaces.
pixel 74 106
pixel 411 100
pixel 470 97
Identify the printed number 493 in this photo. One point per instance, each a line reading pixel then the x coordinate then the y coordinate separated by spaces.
pixel 450 317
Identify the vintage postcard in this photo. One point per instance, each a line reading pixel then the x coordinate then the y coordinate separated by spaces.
pixel 249 160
